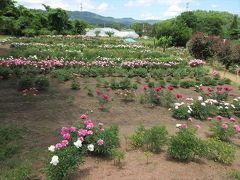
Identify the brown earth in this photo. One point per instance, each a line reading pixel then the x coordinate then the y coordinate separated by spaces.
pixel 42 118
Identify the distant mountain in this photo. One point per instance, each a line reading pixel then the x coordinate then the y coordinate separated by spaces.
pixel 93 18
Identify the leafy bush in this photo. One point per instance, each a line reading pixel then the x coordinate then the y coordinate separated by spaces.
pixel 4 72
pixel 175 83
pixel 76 143
pixel 220 151
pixel 125 83
pixel 25 83
pixel 222 131
pixel 152 139
pixel 202 110
pixel 234 174
pixel 42 83
pixel 187 84
pixel 75 85
pixel 181 112
pixel 236 103
pixel 61 74
pixel 185 146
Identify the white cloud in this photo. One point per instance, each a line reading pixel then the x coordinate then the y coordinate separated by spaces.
pixel 102 7
pixel 148 15
pixel 214 6
pixel 173 10
pixel 131 3
pixel 74 5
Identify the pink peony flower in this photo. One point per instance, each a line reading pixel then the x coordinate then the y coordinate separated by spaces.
pixel 198 126
pixel 227 88
pixel 89 126
pixel 235 126
pixel 66 136
pixel 100 142
pixel 105 96
pixel 90 132
pixel 83 116
pixel 170 88
pixel 72 129
pixel 98 92
pixel 224 126
pixel 184 126
pixel 210 89
pixel 64 143
pixel 108 89
pixel 233 119
pixel 231 94
pixel 64 130
pixel 209 119
pixel 219 118
pixel 190 119
pixel 81 139
pixel 82 132
pixel 58 146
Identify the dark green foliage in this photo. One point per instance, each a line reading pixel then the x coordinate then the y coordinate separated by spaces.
pixel 25 83
pixel 75 85
pixel 223 134
pixel 152 139
pixel 42 83
pixel 187 84
pixel 4 72
pixel 185 146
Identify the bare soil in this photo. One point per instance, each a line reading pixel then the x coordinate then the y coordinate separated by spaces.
pixel 43 117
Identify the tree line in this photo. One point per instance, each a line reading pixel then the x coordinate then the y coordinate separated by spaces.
pixel 21 21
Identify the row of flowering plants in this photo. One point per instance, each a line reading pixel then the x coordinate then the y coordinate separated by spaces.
pixel 196 62
pixel 78 142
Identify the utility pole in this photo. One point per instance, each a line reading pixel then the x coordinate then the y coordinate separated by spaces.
pixel 187 6
pixel 81 7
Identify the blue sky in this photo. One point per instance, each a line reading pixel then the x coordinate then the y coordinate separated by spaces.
pixel 138 9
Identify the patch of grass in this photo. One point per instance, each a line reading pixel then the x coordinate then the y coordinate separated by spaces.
pixel 234 174
pixel 16 170
pixel 8 147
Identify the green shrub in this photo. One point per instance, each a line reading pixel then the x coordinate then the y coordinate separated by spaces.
pixel 134 86
pixel 181 112
pixel 152 139
pixel 224 81
pixel 151 84
pixel 113 84
pixel 42 83
pixel 200 111
pixel 69 160
pixel 187 84
pixel 222 131
pixel 61 74
pixel 125 83
pixel 234 174
pixel 175 83
pixel 25 83
pixel 89 91
pixel 75 85
pixel 118 156
pixel 161 83
pixel 236 110
pixel 4 72
pixel 185 146
pixel 220 151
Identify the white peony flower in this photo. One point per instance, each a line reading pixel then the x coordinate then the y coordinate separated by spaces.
pixel 54 160
pixel 203 104
pixel 51 148
pixel 178 125
pixel 90 147
pixel 189 111
pixel 176 107
pixel 78 143
pixel 200 98
pixel 226 107
pixel 233 106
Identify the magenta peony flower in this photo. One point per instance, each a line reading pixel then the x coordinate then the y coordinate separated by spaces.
pixel 170 88
pixel 89 126
pixel 108 89
pixel 58 146
pixel 179 96
pixel 224 126
pixel 90 132
pixel 100 142
pixel 209 119
pixel 145 87
pixel 72 129
pixel 98 92
pixel 83 116
pixel 64 143
pixel 81 139
pixel 66 136
pixel 158 88
pixel 184 126
pixel 82 132
pixel 219 118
